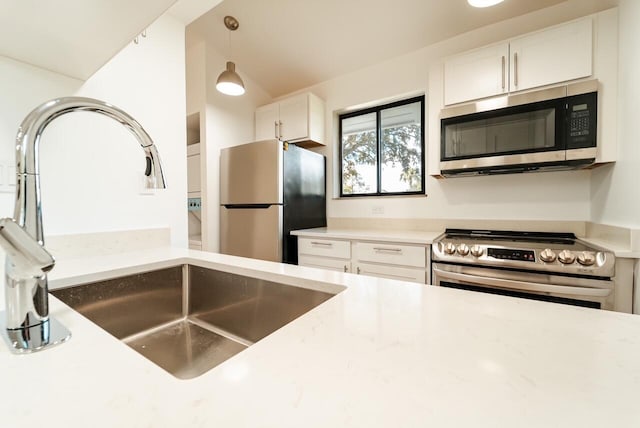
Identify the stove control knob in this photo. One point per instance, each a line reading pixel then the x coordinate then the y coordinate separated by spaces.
pixel 586 258
pixel 548 256
pixel 477 250
pixel 449 248
pixel 566 257
pixel 463 249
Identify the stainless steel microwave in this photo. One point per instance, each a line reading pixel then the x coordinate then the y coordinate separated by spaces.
pixel 550 129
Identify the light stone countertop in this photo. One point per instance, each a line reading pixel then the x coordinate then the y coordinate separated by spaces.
pixel 427 237
pixel 381 353
pixel 618 249
pixel 404 236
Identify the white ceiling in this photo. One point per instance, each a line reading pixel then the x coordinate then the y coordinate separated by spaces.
pixel 286 45
pixel 73 37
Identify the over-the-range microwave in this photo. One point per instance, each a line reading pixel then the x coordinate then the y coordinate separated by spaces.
pixel 550 129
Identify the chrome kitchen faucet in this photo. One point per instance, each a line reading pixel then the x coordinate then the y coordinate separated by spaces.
pixel 28 325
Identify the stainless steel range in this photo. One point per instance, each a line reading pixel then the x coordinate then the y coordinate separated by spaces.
pixel 555 267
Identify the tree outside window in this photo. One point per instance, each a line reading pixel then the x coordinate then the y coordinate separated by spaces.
pixel 382 150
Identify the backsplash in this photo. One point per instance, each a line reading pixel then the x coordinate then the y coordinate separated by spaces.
pixel 104 243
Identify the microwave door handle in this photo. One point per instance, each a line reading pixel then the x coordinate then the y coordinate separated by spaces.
pixel 523 285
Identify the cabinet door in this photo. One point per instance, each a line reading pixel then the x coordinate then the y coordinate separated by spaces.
pixel 266 122
pixel 294 118
pixel 325 263
pixel 552 56
pixel 390 272
pixel 477 74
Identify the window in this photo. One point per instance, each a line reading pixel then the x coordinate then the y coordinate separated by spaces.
pixel 382 150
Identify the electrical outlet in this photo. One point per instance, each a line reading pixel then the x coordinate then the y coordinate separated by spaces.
pixel 12 175
pixel 7 176
pixel 377 210
pixel 194 204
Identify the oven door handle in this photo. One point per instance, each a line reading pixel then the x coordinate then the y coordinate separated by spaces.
pixel 523 285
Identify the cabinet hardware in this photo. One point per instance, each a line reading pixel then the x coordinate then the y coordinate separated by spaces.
pixel 515 68
pixel 280 128
pixel 503 71
pixel 358 270
pixel 275 128
pixel 345 268
pixel 325 244
pixel 392 250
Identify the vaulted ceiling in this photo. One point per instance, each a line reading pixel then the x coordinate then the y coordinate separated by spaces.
pixel 286 45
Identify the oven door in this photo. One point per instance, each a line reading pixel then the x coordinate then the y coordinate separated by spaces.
pixel 577 291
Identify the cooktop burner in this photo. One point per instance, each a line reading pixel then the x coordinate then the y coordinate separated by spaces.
pixel 539 251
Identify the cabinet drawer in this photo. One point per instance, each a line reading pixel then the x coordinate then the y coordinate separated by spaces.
pixel 325 263
pixel 391 272
pixel 392 254
pixel 325 247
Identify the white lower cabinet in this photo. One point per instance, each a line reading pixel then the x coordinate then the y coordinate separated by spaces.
pixel 390 272
pixel 338 265
pixel 331 254
pixel 380 259
pixel 390 260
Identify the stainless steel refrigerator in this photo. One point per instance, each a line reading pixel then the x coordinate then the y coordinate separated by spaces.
pixel 267 189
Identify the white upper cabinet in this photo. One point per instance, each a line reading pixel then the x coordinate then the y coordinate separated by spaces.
pixel 297 119
pixel 74 37
pixel 267 118
pixel 294 120
pixel 556 55
pixel 546 57
pixel 478 74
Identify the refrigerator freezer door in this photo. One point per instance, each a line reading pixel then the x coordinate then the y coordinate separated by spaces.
pixel 252 232
pixel 251 173
pixel 304 196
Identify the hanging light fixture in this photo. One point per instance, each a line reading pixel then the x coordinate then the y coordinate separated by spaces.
pixel 229 82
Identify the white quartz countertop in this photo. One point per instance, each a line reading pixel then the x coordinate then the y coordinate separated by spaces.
pixel 405 236
pixel 427 237
pixel 618 249
pixel 381 353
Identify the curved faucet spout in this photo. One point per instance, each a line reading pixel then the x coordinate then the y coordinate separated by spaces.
pixel 27 209
pixel 25 313
pixel 33 125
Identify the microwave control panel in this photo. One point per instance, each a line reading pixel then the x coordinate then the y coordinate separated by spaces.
pixel 581 120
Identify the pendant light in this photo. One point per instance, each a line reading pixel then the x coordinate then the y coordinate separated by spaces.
pixel 229 82
pixel 484 3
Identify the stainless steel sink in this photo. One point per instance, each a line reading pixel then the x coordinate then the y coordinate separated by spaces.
pixel 188 319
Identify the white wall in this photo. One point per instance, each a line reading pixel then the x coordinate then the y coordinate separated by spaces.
pixel 91 167
pixel 615 189
pixel 542 196
pixel 228 121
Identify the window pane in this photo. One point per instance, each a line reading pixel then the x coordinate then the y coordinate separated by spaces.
pixel 359 155
pixel 401 169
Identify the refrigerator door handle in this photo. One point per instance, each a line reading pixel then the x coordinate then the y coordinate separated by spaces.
pixel 248 206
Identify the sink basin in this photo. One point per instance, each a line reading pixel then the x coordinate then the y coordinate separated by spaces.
pixel 188 319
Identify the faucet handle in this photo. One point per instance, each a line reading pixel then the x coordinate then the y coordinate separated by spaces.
pixel 28 257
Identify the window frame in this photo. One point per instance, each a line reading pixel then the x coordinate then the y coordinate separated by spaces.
pixel 377 110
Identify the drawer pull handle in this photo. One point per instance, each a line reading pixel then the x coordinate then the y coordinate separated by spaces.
pixel 391 250
pixel 324 244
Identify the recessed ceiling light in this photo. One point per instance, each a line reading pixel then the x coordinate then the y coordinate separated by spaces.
pixel 484 3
